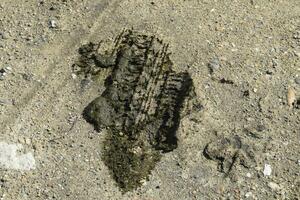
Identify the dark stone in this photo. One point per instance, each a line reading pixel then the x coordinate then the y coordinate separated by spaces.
pixel 225 81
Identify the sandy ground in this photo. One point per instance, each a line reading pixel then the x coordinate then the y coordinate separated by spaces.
pixel 242 55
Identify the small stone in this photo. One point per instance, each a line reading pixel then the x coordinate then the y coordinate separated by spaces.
pixel 269 72
pixel 8 68
pixel 74 76
pixel 274 186
pixel 248 195
pixel 3 73
pixel 297 80
pixel 214 65
pixel 21 140
pixel 267 170
pixel 52 24
pixel 27 141
pixel 291 96
pixel 248 175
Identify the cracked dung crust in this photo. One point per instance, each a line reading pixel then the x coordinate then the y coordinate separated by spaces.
pixel 140 106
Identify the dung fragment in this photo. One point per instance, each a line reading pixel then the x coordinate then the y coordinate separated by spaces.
pixel 140 106
pixel 229 152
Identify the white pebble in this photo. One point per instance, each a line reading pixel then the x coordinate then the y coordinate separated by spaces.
pixel 248 194
pixel 8 68
pixel 74 76
pixel 267 170
pixel 52 24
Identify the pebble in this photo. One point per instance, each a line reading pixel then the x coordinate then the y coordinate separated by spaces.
pixel 274 186
pixel 74 76
pixel 248 194
pixel 297 80
pixel 291 96
pixel 267 170
pixel 2 74
pixel 214 65
pixel 27 141
pixel 21 140
pixel 52 24
pixel 248 175
pixel 8 68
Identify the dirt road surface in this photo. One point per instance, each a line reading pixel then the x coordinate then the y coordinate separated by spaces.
pixel 243 57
